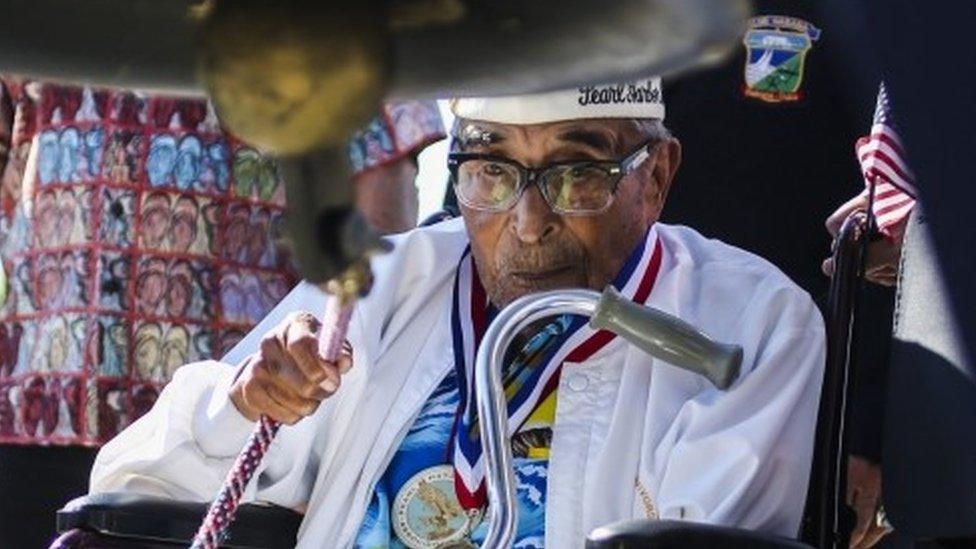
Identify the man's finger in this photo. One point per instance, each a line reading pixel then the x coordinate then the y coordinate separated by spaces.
pixel 276 334
pixel 873 536
pixel 836 219
pixel 857 535
pixel 289 374
pixel 296 405
pixel 257 397
pixel 883 273
pixel 277 410
pixel 332 380
pixel 344 364
pixel 828 266
pixel 301 344
pixel 864 507
pixel 883 277
pixel 294 388
pixel 282 368
pixel 304 319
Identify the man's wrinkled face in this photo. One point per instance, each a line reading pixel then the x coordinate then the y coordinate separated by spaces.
pixel 529 248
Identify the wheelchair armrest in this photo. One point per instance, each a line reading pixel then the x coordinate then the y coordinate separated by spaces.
pixel 140 517
pixel 668 534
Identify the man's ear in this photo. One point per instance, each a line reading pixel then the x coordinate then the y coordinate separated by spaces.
pixel 663 165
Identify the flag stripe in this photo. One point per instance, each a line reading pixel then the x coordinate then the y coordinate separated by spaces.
pixel 875 165
pixel 892 207
pixel 878 151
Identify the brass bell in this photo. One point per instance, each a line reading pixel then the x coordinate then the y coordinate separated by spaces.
pixel 292 77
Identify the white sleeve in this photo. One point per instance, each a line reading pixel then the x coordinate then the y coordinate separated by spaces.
pixel 185 445
pixel 161 453
pixel 742 457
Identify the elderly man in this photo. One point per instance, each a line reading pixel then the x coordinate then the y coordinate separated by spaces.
pixel 558 190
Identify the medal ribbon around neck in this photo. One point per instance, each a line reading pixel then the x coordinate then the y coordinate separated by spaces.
pixel 577 343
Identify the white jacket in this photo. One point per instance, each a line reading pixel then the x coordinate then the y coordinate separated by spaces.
pixel 633 436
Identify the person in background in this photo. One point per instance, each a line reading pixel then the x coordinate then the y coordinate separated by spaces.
pixel 384 159
pixel 781 124
pixel 775 126
pixel 136 235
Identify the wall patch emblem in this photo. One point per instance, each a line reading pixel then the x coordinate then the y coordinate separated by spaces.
pixel 776 49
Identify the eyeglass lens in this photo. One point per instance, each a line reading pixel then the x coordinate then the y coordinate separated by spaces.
pixel 494 185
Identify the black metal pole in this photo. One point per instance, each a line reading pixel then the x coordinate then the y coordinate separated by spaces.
pixel 827 488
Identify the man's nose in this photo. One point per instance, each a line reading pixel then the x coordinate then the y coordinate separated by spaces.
pixel 532 218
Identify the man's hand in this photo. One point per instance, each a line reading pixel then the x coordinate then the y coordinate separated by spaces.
pixel 883 255
pixel 864 496
pixel 287 379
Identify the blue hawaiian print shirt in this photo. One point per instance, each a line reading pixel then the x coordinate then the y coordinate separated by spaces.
pixel 426 445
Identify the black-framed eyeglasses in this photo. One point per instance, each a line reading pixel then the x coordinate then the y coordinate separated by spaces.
pixel 583 187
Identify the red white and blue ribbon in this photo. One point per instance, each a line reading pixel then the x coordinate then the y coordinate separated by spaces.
pixel 469 319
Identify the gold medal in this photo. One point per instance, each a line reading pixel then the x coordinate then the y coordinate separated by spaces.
pixel 427 514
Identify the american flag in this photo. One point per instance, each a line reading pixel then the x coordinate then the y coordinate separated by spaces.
pixel 882 158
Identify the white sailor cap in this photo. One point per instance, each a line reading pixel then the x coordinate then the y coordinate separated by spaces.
pixel 640 99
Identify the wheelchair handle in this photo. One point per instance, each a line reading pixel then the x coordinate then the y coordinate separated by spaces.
pixel 668 338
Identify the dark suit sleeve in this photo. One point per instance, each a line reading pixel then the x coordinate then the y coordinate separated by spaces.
pixel 873 344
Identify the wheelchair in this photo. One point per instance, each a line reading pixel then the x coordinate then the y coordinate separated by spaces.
pixel 129 521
